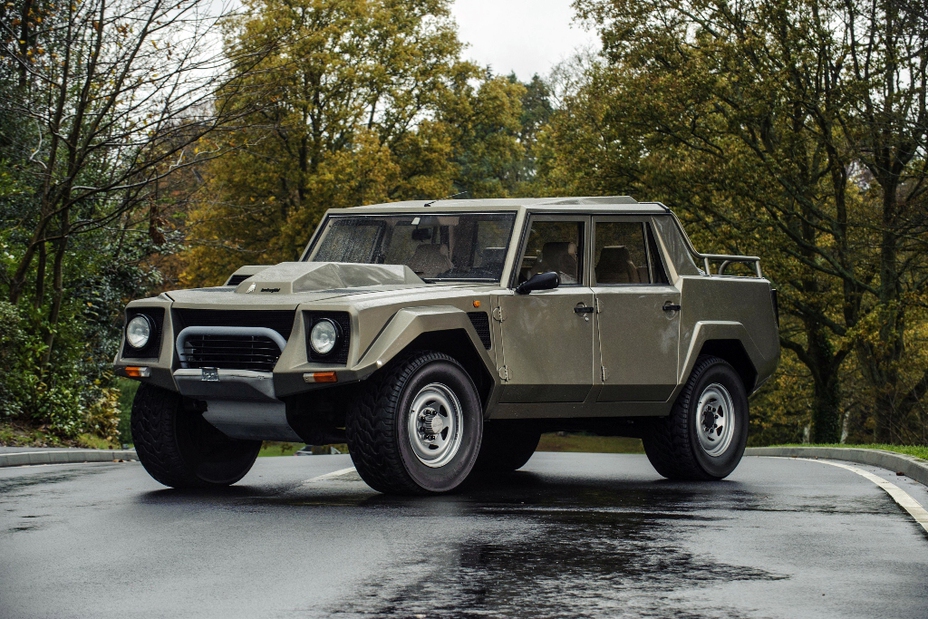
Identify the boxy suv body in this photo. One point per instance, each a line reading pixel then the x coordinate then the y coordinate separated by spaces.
pixel 439 339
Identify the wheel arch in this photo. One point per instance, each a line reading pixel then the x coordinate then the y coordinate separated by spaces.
pixel 733 352
pixel 443 329
pixel 729 341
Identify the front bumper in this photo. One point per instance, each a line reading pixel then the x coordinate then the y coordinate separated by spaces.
pixel 242 404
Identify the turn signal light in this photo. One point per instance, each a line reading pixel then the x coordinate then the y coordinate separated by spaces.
pixel 320 377
pixel 133 371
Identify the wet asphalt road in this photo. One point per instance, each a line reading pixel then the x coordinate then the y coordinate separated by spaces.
pixel 572 535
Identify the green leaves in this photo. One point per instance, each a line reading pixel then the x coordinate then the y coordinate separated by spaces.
pixel 782 128
pixel 344 103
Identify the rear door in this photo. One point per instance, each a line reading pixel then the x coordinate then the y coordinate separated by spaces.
pixel 638 312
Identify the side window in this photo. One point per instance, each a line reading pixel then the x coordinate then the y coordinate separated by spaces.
pixel 620 255
pixel 554 246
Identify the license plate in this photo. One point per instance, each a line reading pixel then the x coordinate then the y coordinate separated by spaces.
pixel 209 375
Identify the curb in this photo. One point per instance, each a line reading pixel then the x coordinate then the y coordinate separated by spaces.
pixel 66 456
pixel 910 466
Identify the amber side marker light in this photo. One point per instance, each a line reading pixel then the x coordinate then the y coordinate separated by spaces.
pixel 476 303
pixel 133 371
pixel 320 377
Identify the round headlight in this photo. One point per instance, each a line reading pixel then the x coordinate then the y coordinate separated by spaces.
pixel 138 331
pixel 324 336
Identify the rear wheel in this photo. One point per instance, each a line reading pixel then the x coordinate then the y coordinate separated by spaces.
pixel 181 449
pixel 705 434
pixel 416 427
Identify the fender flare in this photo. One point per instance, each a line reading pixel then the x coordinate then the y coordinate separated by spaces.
pixel 707 331
pixel 410 323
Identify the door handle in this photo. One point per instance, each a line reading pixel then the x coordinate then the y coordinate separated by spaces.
pixel 584 309
pixel 670 306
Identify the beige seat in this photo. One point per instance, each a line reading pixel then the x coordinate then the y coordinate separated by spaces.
pixel 430 260
pixel 616 267
pixel 560 257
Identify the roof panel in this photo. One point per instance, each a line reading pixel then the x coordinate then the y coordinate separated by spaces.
pixel 592 204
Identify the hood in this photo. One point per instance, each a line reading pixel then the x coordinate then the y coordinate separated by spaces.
pixel 296 277
pixel 290 284
pixel 310 281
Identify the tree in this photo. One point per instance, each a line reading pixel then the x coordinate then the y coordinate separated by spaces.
pixel 351 102
pixel 100 100
pixel 746 116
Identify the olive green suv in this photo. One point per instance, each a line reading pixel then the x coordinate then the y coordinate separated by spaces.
pixel 440 339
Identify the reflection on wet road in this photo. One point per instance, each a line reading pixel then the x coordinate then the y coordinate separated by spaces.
pixel 546 549
pixel 574 535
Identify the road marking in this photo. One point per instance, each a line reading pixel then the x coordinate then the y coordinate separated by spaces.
pixel 331 475
pixel 899 495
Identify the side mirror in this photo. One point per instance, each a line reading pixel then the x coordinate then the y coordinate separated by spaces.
pixel 542 281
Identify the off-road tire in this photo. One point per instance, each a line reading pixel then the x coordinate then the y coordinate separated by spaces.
pixel 673 443
pixel 507 446
pixel 181 449
pixel 377 425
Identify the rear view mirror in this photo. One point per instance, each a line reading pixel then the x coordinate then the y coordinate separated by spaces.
pixel 422 234
pixel 542 281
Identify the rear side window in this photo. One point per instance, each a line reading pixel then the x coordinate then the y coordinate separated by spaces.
pixel 624 252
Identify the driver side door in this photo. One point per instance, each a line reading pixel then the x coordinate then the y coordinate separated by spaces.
pixel 547 335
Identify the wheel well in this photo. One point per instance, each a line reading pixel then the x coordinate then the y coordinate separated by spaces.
pixel 455 343
pixel 733 352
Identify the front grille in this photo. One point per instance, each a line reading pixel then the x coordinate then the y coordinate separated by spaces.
pixel 231 352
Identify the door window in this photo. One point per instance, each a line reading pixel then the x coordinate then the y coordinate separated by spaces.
pixel 625 253
pixel 554 246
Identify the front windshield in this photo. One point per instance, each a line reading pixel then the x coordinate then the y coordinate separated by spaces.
pixel 435 247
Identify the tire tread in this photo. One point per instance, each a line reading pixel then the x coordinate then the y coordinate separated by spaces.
pixel 371 426
pixel 668 442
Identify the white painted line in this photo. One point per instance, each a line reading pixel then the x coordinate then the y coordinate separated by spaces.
pixel 331 475
pixel 899 495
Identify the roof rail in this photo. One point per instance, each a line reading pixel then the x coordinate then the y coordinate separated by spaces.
pixel 707 259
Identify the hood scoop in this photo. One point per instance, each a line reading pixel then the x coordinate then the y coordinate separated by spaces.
pixel 294 277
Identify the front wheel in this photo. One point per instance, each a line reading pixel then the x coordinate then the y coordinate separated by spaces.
pixel 416 427
pixel 705 434
pixel 181 449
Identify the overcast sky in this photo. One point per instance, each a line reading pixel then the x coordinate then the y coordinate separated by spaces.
pixel 525 36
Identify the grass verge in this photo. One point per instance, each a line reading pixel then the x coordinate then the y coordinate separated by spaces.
pixel 271 449
pixel 562 441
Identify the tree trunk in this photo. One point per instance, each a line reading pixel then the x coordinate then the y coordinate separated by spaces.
pixel 823 364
